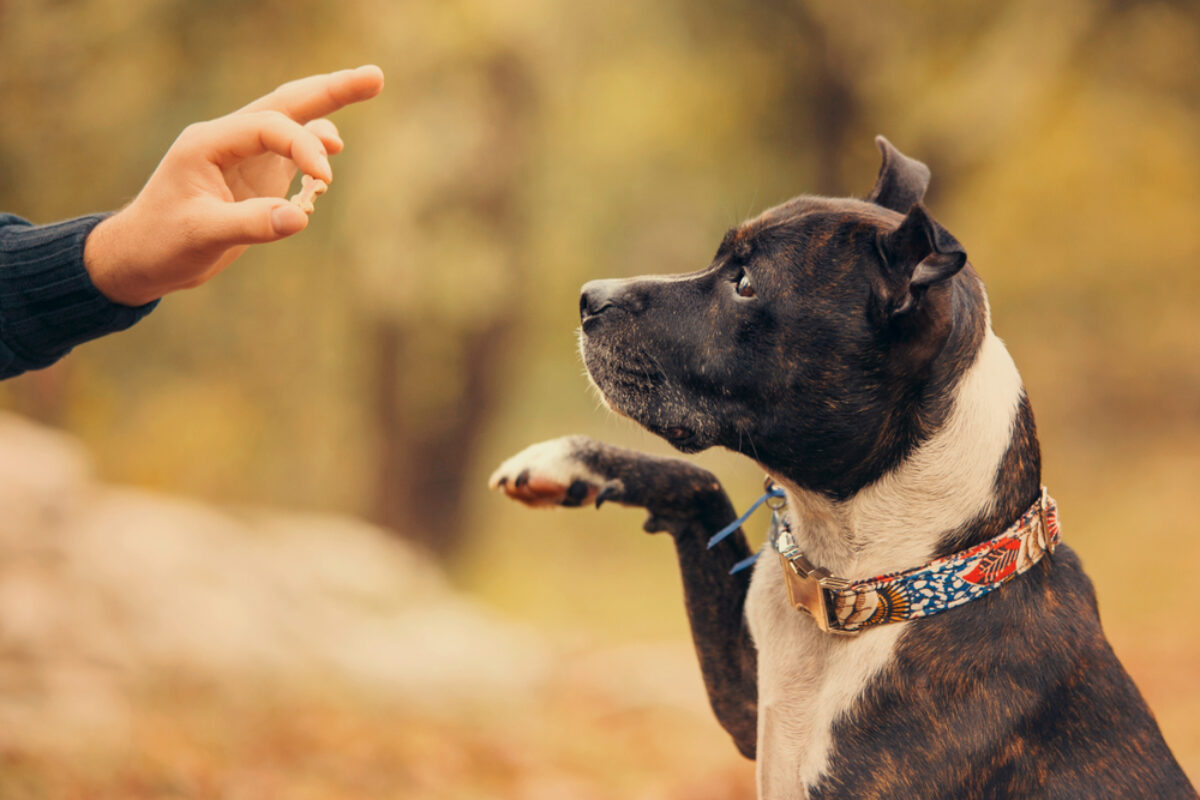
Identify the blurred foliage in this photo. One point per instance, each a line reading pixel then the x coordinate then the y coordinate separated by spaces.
pixel 333 745
pixel 1065 146
pixel 1063 141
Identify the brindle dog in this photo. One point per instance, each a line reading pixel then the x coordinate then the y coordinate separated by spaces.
pixel 845 346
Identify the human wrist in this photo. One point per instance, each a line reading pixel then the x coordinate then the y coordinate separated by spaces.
pixel 48 302
pixel 106 258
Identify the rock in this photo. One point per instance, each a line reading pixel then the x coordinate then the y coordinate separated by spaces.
pixel 44 475
pixel 104 589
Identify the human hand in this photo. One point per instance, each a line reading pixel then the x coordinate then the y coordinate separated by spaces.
pixel 220 187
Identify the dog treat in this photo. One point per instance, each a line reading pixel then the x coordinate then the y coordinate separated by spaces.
pixel 310 187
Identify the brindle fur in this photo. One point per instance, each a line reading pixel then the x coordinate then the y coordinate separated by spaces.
pixel 688 503
pixel 866 316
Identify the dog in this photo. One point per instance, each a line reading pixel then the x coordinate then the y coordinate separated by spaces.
pixel 915 630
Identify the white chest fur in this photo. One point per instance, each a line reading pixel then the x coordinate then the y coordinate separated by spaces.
pixel 807 680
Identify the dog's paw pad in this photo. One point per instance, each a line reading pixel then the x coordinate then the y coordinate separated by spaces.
pixel 578 492
pixel 551 474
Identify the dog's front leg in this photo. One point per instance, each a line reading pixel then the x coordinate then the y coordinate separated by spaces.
pixel 687 502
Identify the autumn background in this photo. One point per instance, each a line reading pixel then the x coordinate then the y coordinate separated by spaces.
pixel 246 548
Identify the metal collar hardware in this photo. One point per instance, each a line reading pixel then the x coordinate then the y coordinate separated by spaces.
pixel 806 584
pixel 845 607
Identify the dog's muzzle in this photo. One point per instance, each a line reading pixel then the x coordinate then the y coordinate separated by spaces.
pixel 598 297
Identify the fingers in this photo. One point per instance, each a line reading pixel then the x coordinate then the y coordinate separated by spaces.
pixel 327 132
pixel 254 221
pixel 230 139
pixel 317 96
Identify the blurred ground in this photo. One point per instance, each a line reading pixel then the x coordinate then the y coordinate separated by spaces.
pixel 151 646
pixel 162 635
pixel 155 647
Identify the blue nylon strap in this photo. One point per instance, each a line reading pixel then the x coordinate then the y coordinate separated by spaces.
pixel 722 534
pixel 748 561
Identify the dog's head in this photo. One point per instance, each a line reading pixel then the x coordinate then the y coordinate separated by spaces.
pixel 815 342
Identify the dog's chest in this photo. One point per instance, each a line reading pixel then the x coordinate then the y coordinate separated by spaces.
pixel 807 680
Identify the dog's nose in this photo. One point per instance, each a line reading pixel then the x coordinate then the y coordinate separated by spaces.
pixel 595 297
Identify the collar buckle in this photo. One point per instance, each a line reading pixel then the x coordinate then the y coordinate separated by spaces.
pixel 846 608
pixel 806 584
pixel 806 587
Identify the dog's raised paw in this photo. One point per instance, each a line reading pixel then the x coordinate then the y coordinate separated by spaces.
pixel 550 474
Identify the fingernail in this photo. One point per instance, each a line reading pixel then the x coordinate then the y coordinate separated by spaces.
pixel 286 219
pixel 323 162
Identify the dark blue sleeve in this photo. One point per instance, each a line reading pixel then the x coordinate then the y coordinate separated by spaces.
pixel 47 301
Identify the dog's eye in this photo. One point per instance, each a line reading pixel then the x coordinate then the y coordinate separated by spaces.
pixel 744 288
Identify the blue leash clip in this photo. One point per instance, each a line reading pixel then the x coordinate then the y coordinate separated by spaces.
pixel 773 492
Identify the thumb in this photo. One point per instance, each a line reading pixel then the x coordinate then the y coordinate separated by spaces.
pixel 255 221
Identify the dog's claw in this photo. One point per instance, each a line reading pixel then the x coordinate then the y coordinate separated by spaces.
pixel 607 493
pixel 550 474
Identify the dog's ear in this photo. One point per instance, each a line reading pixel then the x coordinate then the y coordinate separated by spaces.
pixel 916 255
pixel 902 180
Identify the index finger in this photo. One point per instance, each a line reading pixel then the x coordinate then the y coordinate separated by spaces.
pixel 314 97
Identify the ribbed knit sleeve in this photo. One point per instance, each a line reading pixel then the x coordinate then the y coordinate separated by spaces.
pixel 47 301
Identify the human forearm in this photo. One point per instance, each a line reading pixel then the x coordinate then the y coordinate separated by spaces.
pixel 48 302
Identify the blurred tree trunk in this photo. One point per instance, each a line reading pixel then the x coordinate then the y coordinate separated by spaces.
pixel 822 93
pixel 820 108
pixel 438 371
pixel 423 462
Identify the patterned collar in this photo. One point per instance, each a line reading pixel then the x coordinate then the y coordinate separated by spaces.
pixel 848 607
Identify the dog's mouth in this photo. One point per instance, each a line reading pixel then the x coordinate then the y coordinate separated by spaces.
pixel 635 393
pixel 633 382
pixel 682 438
pixel 679 435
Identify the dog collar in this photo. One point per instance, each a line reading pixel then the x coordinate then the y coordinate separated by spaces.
pixel 847 607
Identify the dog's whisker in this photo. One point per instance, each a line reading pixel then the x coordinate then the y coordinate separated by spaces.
pixel 907 448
